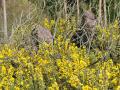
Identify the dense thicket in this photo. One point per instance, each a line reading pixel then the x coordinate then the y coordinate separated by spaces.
pixel 82 50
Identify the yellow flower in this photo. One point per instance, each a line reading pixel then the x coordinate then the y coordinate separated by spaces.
pixel 62 21
pixel 75 56
pixel 100 76
pixel 27 86
pixel 1 55
pixel 118 88
pixel 46 23
pixel 3 69
pixel 52 22
pixel 22 82
pixel 66 44
pixel 95 89
pixel 108 74
pixel 54 86
pixel 116 23
pixel 9 52
pixel 83 64
pixel 86 87
pixel 1 85
pixel 51 88
pixel 7 87
pixel 17 88
pixel 114 81
pixel 74 81
pixel 12 79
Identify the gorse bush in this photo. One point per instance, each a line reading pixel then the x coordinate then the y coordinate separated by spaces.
pixel 61 66
pixel 55 69
pixel 108 40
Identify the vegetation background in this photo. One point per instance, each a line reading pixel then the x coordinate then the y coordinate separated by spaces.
pixel 61 66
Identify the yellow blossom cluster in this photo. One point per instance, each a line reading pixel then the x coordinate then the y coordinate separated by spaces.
pixel 61 66
pixel 55 69
pixel 108 36
pixel 60 25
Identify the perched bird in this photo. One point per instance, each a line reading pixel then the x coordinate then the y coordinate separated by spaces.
pixel 85 33
pixel 89 19
pixel 40 35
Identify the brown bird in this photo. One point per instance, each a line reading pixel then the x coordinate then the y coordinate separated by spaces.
pixel 40 35
pixel 89 19
pixel 84 35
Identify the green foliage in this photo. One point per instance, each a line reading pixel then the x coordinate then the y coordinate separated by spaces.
pixel 49 7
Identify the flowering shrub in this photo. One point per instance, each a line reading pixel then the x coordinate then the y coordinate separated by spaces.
pixel 61 66
pixel 55 68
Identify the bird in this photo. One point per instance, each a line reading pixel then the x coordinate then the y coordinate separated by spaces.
pixel 40 35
